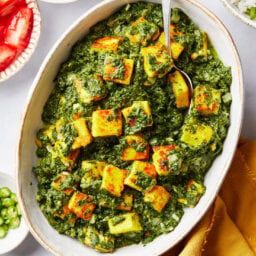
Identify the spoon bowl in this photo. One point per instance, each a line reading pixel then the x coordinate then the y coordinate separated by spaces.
pixel 166 8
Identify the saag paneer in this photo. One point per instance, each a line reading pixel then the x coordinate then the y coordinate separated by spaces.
pixel 119 154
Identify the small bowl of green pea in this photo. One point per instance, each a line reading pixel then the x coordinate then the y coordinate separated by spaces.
pixel 13 229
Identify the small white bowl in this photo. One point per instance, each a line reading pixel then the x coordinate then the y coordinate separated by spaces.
pixel 242 16
pixel 27 53
pixel 15 236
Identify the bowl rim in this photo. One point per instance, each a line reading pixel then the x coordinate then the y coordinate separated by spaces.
pixel 12 179
pixel 243 17
pixel 26 54
pixel 227 34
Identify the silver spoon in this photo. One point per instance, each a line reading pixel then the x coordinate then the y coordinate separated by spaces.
pixel 166 7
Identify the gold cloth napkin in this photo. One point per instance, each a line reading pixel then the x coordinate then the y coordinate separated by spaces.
pixel 229 226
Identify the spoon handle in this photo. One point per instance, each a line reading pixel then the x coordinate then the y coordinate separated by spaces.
pixel 166 8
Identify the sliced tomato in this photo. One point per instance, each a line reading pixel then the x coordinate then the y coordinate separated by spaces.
pixel 7 56
pixel 8 6
pixel 2 29
pixel 19 29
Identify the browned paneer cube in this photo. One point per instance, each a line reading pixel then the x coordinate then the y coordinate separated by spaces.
pixel 180 89
pixel 84 136
pixel 137 117
pixel 207 100
pixel 70 137
pixel 203 47
pixel 106 44
pixel 106 122
pixel 70 160
pixel 160 159
pixel 94 167
pixel 142 176
pixel 176 47
pixel 82 205
pixel 113 180
pixel 142 31
pixel 137 148
pixel 98 241
pixel 158 197
pixel 157 61
pixel 90 89
pixel 57 184
pixel 195 190
pixel 118 70
pixel 126 204
pixel 66 213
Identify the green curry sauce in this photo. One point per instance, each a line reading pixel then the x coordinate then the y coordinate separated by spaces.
pixel 83 86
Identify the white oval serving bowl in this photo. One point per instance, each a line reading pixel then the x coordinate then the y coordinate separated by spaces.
pixel 236 12
pixel 24 57
pixel 15 236
pixel 43 85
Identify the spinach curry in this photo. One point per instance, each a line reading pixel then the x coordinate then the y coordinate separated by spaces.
pixel 120 156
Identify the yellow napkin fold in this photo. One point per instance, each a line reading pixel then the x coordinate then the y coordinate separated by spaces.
pixel 229 226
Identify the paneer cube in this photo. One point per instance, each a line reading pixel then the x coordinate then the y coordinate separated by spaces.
pixel 66 213
pixel 126 204
pixel 69 160
pixel 106 44
pixel 96 240
pixel 84 136
pixel 176 47
pixel 137 148
pixel 70 137
pixel 90 89
pixel 142 31
pixel 161 159
pixel 58 184
pixel 125 223
pixel 118 70
pixel 82 205
pixel 92 173
pixel 157 61
pixel 94 167
pixel 180 89
pixel 142 176
pixel 107 122
pixel 157 197
pixel 196 134
pixel 207 100
pixel 194 192
pixel 202 50
pixel 113 180
pixel 137 117
pixel 195 188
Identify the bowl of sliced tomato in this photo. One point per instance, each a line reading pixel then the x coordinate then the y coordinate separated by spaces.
pixel 20 26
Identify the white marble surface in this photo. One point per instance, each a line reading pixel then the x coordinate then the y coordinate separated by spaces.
pixel 56 18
